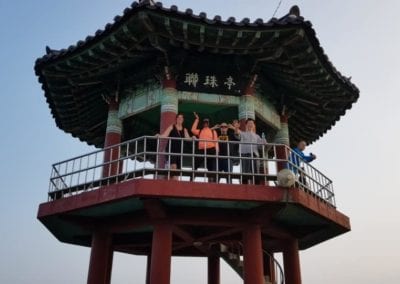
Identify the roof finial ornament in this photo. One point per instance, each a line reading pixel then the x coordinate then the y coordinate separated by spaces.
pixel 48 49
pixel 294 11
pixel 51 51
pixel 147 2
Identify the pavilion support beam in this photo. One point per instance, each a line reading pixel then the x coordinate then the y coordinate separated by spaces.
pixel 185 35
pixel 169 110
pixel 160 269
pixel 213 269
pixel 256 37
pixel 291 262
pixel 220 34
pixel 253 255
pixel 101 258
pixel 113 137
pixel 148 267
pixel 203 249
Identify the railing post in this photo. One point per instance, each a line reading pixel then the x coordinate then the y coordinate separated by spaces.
pixel 263 166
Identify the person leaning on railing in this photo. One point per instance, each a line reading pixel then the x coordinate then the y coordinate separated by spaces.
pixel 296 157
pixel 207 148
pixel 177 131
pixel 250 166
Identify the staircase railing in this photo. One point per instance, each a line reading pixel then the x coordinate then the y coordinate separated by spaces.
pixel 235 261
pixel 278 270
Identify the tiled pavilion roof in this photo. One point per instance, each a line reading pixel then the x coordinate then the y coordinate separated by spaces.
pixel 293 70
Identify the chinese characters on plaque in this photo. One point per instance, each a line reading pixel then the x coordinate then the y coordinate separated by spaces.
pixel 210 82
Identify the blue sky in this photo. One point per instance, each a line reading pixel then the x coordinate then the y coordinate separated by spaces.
pixel 360 154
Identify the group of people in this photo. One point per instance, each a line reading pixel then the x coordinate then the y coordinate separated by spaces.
pixel 213 142
pixel 212 150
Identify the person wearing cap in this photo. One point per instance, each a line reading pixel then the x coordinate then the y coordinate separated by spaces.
pixel 226 150
pixel 209 147
pixel 249 149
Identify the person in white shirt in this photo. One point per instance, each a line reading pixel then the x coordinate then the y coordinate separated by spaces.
pixel 250 166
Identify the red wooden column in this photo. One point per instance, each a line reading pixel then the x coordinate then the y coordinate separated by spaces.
pixel 246 107
pixel 160 269
pixel 113 137
pixel 291 262
pixel 213 266
pixel 253 255
pixel 282 137
pixel 169 109
pixel 101 258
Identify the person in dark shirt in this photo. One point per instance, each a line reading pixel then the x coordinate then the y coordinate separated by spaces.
pixel 175 130
pixel 227 150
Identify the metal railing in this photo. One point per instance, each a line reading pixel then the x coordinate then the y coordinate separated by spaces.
pixel 154 157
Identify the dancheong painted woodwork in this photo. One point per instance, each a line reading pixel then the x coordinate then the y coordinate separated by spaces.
pixel 205 55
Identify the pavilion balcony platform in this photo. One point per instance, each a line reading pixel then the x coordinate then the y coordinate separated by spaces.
pixel 148 157
pixel 124 188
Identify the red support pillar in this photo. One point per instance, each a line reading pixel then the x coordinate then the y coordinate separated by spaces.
pixel 169 109
pixel 282 137
pixel 113 137
pixel 213 269
pixel 160 270
pixel 291 262
pixel 253 255
pixel 101 258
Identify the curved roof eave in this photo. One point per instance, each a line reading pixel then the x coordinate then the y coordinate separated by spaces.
pixel 290 20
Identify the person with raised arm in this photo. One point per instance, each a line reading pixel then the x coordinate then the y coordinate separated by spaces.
pixel 209 147
pixel 297 157
pixel 226 134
